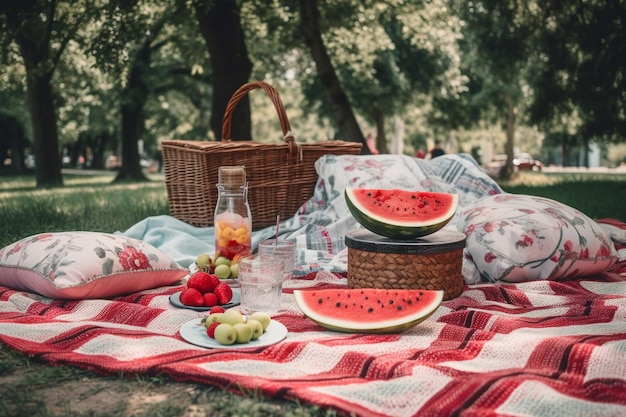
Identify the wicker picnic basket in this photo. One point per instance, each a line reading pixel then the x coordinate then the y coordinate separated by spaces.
pixel 432 262
pixel 281 176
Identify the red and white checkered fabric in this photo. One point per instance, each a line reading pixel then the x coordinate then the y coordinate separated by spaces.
pixel 533 349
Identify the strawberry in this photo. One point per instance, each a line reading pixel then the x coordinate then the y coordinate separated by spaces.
pixel 224 293
pixel 210 331
pixel 203 282
pixel 210 299
pixel 191 297
pixel 216 309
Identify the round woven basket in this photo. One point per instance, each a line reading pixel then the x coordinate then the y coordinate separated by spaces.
pixel 432 262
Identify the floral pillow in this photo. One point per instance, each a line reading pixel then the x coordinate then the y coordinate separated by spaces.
pixel 519 238
pixel 78 265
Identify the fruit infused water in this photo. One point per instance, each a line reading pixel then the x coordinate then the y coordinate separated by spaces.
pixel 232 219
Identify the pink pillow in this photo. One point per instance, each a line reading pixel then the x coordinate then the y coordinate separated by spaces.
pixel 78 265
pixel 515 238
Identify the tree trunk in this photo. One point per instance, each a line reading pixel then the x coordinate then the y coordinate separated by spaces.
pixel 565 151
pixel 12 142
pixel 98 143
pixel 510 138
pixel 397 139
pixel 220 25
pixel 339 103
pixel 43 117
pixel 381 138
pixel 134 98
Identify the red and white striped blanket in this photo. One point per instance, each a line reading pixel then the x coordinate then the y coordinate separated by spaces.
pixel 532 349
pixel 539 348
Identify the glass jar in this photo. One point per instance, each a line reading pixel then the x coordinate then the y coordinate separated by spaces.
pixel 232 219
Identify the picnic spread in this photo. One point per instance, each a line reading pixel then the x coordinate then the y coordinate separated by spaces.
pixel 539 327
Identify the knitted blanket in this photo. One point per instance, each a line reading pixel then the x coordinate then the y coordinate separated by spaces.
pixel 533 349
pixel 537 348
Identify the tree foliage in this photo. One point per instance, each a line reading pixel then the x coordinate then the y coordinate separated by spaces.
pixel 578 71
pixel 42 30
pixel 107 74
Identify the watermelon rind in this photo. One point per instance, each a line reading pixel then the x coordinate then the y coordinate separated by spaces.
pixel 366 323
pixel 407 229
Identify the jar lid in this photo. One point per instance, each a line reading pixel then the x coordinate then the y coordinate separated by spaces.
pixel 232 176
pixel 440 241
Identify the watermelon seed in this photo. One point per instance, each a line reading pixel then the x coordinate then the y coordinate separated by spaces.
pixel 369 310
pixel 390 301
pixel 320 301
pixel 337 304
pixel 399 308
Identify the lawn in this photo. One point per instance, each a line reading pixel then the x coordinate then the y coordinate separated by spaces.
pixel 597 195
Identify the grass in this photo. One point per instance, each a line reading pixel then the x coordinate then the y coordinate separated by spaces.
pixel 29 387
pixel 55 391
pixel 596 195
pixel 85 203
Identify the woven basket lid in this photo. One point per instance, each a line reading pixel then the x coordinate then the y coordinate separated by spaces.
pixel 440 241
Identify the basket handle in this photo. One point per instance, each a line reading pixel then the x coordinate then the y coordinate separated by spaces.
pixel 278 105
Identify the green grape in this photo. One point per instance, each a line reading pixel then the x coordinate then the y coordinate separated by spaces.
pixel 244 332
pixel 257 328
pixel 225 334
pixel 203 260
pixel 262 318
pixel 231 317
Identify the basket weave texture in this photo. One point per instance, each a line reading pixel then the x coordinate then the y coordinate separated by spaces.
pixel 281 176
pixel 435 271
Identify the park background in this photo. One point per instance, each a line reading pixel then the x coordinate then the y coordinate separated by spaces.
pixel 99 84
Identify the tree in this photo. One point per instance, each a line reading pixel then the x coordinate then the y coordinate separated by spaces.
pixel 498 37
pixel 128 46
pixel 578 72
pixel 385 56
pixel 407 56
pixel 220 25
pixel 12 141
pixel 42 29
pixel 337 98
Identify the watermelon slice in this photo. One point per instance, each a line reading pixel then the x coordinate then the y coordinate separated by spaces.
pixel 401 214
pixel 368 310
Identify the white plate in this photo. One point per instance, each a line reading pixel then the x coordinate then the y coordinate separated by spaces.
pixel 175 301
pixel 194 332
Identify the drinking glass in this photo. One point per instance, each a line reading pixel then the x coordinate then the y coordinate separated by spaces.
pixel 282 249
pixel 261 283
